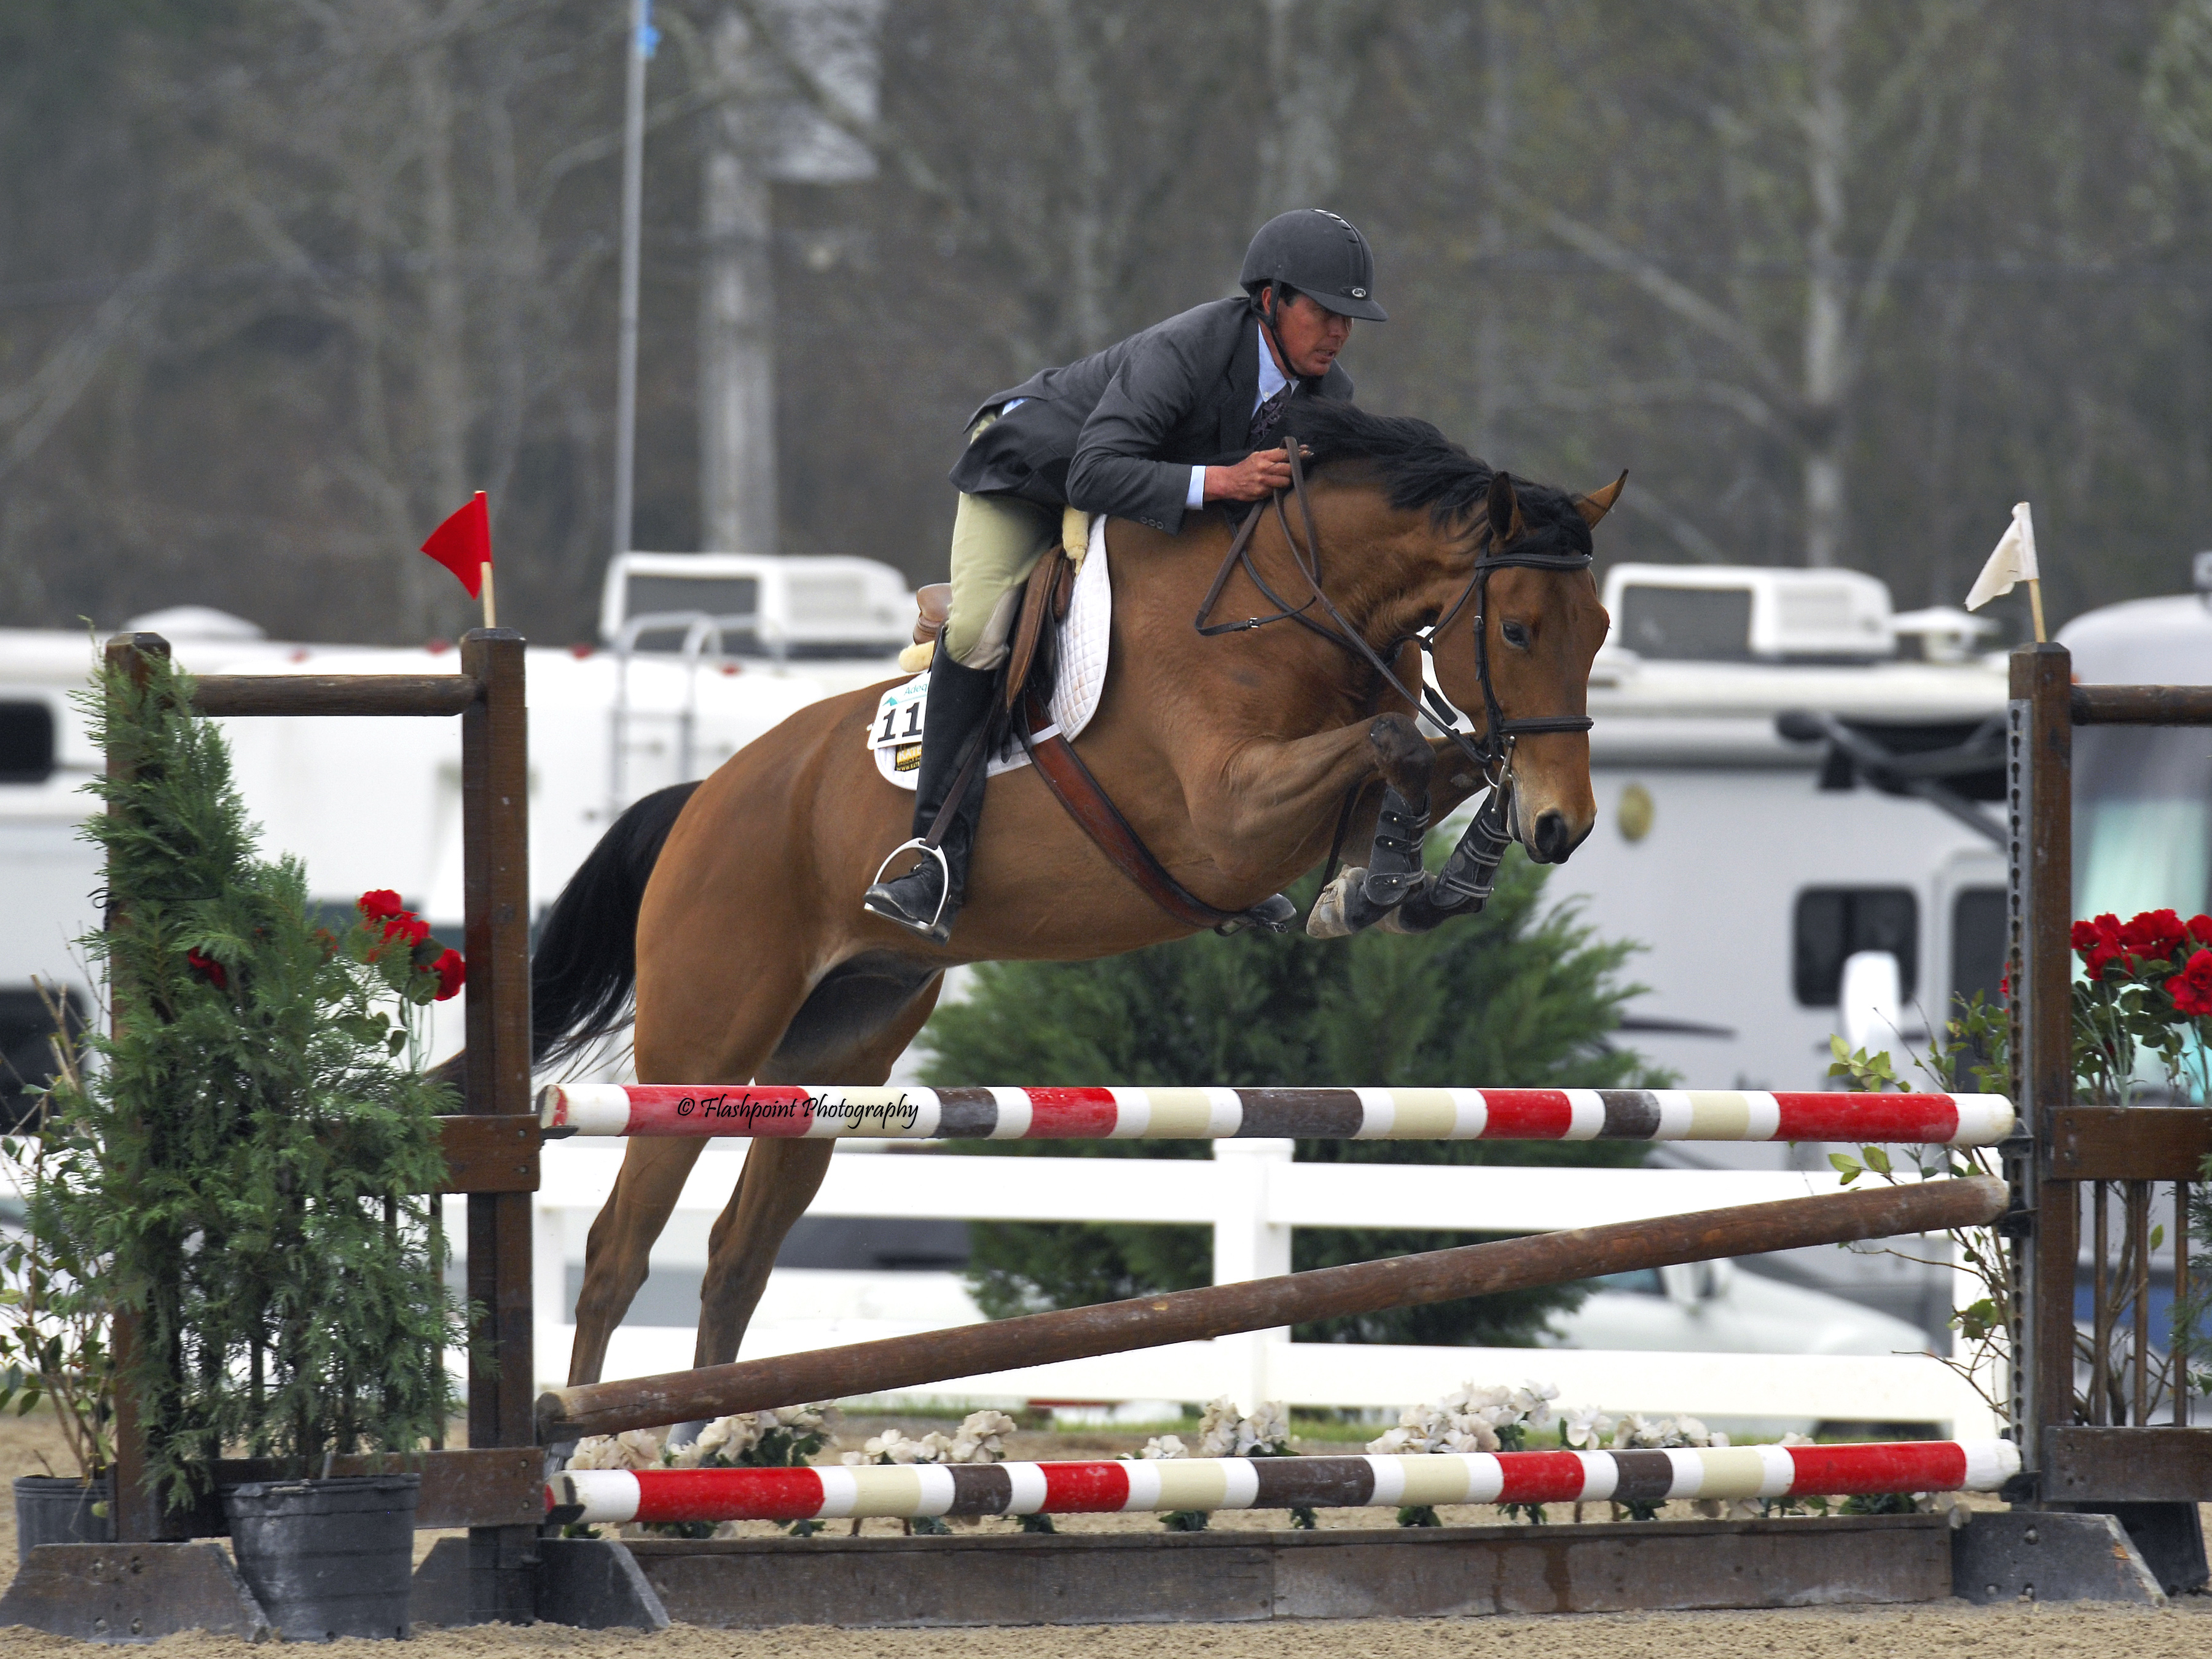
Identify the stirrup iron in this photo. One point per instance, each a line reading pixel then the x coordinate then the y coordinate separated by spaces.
pixel 916 844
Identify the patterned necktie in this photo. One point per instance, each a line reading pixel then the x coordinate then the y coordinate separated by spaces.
pixel 1265 418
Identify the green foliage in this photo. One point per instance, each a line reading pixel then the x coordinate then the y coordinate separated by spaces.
pixel 1514 995
pixel 247 1161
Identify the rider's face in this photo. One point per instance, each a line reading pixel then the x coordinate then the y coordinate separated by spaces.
pixel 1310 334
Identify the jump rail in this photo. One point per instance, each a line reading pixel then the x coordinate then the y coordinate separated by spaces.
pixel 867 1368
pixel 685 1110
pixel 910 1492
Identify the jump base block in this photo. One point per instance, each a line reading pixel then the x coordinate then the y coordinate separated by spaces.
pixel 1239 1577
pixel 132 1593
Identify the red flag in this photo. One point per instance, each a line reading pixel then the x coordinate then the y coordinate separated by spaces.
pixel 463 543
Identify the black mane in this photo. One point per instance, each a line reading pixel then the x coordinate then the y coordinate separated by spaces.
pixel 1421 467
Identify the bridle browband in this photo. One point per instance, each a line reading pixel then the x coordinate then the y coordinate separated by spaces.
pixel 1489 749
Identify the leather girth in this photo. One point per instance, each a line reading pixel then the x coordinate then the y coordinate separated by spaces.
pixel 1070 783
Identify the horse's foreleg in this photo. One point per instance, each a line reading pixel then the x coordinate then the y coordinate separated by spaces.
pixel 619 1253
pixel 1361 896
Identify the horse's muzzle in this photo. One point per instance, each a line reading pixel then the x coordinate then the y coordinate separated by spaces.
pixel 1552 839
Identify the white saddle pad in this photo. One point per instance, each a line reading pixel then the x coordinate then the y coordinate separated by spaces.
pixel 895 739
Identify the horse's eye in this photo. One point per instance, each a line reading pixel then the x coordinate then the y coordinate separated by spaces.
pixel 1514 634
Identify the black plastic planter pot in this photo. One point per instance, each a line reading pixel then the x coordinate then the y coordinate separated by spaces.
pixel 54 1510
pixel 327 1558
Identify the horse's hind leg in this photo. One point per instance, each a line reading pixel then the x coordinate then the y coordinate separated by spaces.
pixel 1359 897
pixel 781 1177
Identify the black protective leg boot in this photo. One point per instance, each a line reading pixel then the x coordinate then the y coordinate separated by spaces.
pixel 927 898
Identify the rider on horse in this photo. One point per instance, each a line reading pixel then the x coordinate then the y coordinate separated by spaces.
pixel 1152 428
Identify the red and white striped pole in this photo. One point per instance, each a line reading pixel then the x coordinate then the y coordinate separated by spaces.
pixel 910 1492
pixel 1221 1114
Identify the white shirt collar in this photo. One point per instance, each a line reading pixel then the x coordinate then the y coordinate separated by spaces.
pixel 1272 379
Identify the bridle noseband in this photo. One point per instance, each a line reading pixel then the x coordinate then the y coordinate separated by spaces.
pixel 1491 748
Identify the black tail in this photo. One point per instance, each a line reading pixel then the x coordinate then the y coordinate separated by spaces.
pixel 585 966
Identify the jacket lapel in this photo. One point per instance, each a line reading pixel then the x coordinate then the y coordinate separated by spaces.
pixel 1240 386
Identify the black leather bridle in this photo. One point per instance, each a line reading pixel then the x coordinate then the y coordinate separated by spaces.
pixel 1489 748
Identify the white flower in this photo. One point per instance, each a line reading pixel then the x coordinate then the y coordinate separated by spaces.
pixel 1533 1401
pixel 896 1446
pixel 1693 1432
pixel 1470 1434
pixel 933 1448
pixel 1269 1427
pixel 980 1437
pixel 596 1451
pixel 1163 1446
pixel 1585 1427
pixel 1396 1442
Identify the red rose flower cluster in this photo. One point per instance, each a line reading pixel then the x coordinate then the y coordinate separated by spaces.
pixel 403 927
pixel 2153 946
pixel 208 968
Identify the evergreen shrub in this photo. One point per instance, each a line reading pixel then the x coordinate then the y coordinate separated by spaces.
pixel 251 1156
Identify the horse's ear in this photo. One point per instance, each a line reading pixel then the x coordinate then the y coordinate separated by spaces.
pixel 1505 524
pixel 1599 503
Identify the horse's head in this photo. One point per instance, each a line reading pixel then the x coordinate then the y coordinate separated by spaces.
pixel 1500 566
pixel 1517 651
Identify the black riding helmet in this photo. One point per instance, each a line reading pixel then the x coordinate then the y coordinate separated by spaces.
pixel 1318 254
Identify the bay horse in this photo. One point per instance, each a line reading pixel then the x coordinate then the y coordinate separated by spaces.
pixel 727 912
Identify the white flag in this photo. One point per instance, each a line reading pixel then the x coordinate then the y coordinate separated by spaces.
pixel 2013 562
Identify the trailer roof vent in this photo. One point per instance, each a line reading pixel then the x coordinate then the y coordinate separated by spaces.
pixel 1748 613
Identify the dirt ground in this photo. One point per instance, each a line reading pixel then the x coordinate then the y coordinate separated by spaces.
pixel 1951 1629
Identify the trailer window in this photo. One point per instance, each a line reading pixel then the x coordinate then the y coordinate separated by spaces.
pixel 2142 819
pixel 1833 923
pixel 27 742
pixel 1978 943
pixel 1686 624
pixel 27 1056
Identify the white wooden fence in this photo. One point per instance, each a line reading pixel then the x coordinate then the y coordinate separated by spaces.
pixel 1252 1195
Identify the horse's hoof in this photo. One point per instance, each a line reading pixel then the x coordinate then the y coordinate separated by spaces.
pixel 1344 908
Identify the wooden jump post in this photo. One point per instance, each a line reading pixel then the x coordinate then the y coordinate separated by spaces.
pixel 493 1487
pixel 866 1368
pixel 2103 1449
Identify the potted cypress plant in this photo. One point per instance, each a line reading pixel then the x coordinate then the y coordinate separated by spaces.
pixel 251 1160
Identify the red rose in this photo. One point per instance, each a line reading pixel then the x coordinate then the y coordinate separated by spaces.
pixel 211 970
pixel 409 927
pixel 2199 929
pixel 2004 988
pixel 451 970
pixel 2155 935
pixel 378 903
pixel 2191 988
pixel 2098 943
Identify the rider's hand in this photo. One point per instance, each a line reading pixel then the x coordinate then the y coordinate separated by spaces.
pixel 1255 478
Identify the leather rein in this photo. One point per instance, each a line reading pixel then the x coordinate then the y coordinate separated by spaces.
pixel 1489 749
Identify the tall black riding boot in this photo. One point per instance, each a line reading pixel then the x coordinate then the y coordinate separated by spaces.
pixel 927 898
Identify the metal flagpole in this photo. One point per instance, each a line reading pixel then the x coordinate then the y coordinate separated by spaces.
pixel 642 39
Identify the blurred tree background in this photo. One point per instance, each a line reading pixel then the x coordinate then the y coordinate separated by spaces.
pixel 1839 280
pixel 1518 991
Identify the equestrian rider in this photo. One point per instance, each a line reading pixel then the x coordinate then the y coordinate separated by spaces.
pixel 1153 428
